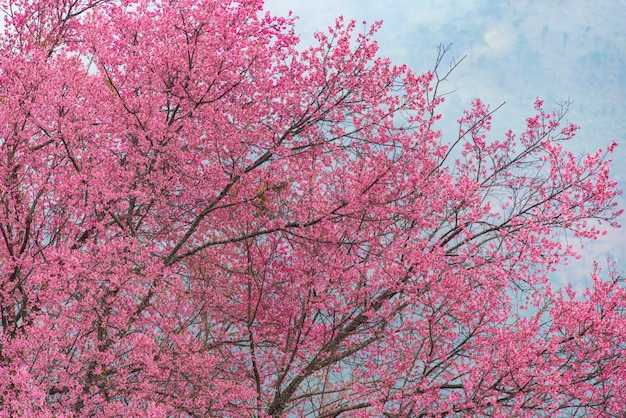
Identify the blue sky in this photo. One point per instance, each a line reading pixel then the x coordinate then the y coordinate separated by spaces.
pixel 516 51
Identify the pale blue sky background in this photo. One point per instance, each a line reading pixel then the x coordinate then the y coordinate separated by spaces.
pixel 516 50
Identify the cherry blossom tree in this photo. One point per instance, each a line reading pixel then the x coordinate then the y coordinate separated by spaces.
pixel 200 217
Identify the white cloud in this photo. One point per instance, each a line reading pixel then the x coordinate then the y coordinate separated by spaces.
pixel 498 39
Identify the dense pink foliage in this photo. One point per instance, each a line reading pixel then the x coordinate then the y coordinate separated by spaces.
pixel 197 219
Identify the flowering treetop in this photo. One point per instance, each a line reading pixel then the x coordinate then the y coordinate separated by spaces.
pixel 199 219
